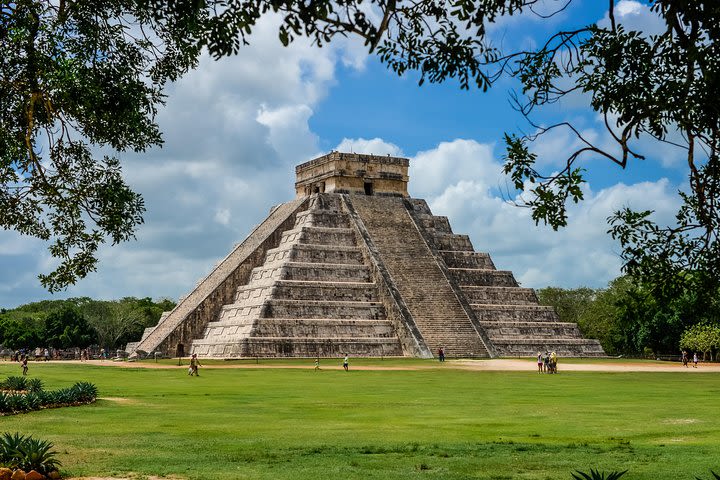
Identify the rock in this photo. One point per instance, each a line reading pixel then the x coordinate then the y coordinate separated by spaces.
pixel 54 475
pixel 18 475
pixel 5 473
pixel 34 475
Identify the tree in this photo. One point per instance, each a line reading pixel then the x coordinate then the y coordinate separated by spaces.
pixel 95 59
pixel 570 304
pixel 75 77
pixel 67 328
pixel 118 322
pixel 702 337
pixel 21 332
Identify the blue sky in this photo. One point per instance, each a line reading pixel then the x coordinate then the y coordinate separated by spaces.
pixel 235 129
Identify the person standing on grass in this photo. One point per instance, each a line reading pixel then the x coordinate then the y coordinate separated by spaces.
pixel 346 362
pixel 24 365
pixel 540 362
pixel 317 364
pixel 695 360
pixel 684 358
pixel 194 364
pixel 441 354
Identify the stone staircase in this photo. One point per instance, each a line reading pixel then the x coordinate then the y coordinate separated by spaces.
pixel 431 300
pixel 177 328
pixel 510 315
pixel 313 296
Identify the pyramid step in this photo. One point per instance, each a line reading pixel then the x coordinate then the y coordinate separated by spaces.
pixel 517 313
pixel 500 295
pixel 223 330
pixel 451 241
pixel 300 347
pixel 322 218
pixel 530 347
pixel 483 277
pixel 455 259
pixel 323 309
pixel 324 327
pixel 434 223
pixel 310 272
pixel 531 329
pixel 314 253
pixel 333 291
pixel 420 206
pixel 319 236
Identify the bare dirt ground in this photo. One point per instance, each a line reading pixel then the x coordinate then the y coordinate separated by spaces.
pixel 479 365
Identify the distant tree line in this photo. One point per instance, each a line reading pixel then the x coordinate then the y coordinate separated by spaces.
pixel 631 318
pixel 79 322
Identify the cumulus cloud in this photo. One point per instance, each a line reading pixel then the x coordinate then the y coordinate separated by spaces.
pixel 458 180
pixel 373 146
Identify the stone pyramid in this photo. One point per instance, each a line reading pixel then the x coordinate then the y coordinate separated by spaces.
pixel 355 266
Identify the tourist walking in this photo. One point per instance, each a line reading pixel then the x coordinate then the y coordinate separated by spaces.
pixel 194 364
pixel 317 364
pixel 441 354
pixel 346 362
pixel 684 358
pixel 553 362
pixel 695 360
pixel 24 365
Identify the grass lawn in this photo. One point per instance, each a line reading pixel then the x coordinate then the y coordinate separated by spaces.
pixel 438 423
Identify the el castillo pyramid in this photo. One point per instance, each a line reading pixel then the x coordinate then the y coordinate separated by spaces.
pixel 355 266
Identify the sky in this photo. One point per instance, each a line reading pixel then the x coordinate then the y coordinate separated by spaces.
pixel 234 130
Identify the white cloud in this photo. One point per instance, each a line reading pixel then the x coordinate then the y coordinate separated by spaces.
pixel 580 254
pixel 634 15
pixel 374 146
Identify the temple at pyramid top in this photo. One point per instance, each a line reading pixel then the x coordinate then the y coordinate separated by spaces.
pixel 353 173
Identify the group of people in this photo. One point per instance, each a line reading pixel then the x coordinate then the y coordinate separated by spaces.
pixel 547 363
pixel 686 360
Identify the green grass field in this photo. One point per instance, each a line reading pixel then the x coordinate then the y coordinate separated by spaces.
pixel 438 423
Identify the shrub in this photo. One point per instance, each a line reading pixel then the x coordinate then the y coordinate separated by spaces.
pixel 14 383
pixel 85 392
pixel 34 385
pixel 10 449
pixel 27 453
pixel 34 397
pixel 38 455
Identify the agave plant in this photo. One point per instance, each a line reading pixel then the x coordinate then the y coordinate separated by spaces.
pixel 15 383
pixel 85 392
pixel 37 455
pixel 16 402
pixel 33 401
pixel 34 385
pixel 10 449
pixel 597 475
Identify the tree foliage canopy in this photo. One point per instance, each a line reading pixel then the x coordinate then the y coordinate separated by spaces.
pixel 78 75
pixel 79 322
pixel 629 318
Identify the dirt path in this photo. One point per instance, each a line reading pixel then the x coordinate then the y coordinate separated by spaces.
pixel 478 365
